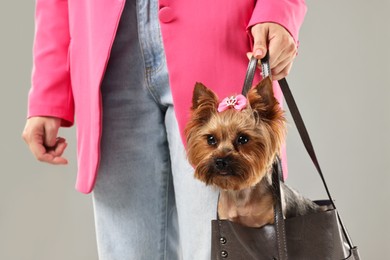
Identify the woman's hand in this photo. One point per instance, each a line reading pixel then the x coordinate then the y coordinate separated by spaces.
pixel 40 134
pixel 280 44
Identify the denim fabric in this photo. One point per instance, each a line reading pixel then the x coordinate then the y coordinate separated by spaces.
pixel 147 204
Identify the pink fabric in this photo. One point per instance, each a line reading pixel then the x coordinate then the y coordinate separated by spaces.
pixel 204 41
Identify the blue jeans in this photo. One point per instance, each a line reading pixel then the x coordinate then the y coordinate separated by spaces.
pixel 147 204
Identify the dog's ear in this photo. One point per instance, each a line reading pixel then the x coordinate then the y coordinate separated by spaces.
pixel 204 105
pixel 262 100
pixel 203 98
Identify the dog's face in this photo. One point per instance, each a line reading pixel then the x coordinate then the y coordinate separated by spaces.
pixel 232 144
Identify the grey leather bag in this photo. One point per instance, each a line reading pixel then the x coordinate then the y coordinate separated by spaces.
pixel 318 236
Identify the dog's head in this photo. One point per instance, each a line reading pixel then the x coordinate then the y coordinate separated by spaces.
pixel 233 143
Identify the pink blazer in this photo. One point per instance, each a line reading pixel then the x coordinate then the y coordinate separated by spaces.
pixel 204 41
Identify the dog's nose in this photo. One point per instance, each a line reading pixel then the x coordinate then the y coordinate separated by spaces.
pixel 221 163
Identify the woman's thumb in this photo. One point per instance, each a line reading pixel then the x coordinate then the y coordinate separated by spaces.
pixel 260 37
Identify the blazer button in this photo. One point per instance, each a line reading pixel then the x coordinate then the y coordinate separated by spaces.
pixel 166 14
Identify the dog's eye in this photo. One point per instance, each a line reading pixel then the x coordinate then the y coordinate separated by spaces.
pixel 242 139
pixel 211 140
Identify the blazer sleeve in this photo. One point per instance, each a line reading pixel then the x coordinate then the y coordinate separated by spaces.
pixel 51 92
pixel 288 13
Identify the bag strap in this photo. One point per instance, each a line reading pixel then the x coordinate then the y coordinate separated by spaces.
pixel 303 133
pixel 296 115
pixel 250 75
pixel 277 173
pixel 266 71
pixel 280 230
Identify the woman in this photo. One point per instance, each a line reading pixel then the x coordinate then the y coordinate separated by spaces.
pixel 126 70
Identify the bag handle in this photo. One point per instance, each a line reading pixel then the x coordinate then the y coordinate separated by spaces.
pixel 296 115
pixel 277 173
pixel 280 230
pixel 309 147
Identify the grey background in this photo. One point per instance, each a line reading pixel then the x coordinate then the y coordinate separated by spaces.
pixel 341 83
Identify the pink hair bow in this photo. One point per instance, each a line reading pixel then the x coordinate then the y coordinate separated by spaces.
pixel 237 102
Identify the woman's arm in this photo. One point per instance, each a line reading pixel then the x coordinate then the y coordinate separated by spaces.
pixel 50 98
pixel 51 93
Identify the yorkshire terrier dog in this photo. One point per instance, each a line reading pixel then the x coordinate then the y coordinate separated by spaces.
pixel 232 145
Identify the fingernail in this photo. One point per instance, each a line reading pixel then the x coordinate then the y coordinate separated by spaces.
pixel 258 53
